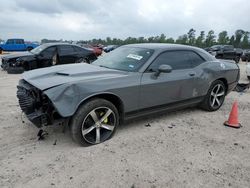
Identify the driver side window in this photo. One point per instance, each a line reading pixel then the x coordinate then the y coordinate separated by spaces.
pixel 176 59
pixel 49 52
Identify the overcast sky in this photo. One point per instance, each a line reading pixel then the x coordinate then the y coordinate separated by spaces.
pixel 87 19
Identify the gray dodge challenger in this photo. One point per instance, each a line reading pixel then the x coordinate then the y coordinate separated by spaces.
pixel 131 81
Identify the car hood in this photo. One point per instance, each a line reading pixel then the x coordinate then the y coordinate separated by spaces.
pixel 46 78
pixel 17 55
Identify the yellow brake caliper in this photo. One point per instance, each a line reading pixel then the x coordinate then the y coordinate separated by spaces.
pixel 105 120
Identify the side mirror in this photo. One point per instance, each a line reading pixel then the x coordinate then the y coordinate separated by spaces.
pixel 164 69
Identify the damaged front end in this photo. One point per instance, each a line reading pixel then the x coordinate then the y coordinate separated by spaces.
pixel 36 105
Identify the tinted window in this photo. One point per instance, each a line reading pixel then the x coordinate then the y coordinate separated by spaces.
pixel 195 58
pixel 49 52
pixel 228 47
pixel 65 49
pixel 10 42
pixel 19 41
pixel 176 59
pixel 78 49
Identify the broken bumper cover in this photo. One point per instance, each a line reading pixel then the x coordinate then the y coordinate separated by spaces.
pixel 29 104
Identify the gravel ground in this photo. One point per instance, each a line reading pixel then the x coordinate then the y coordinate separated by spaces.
pixel 186 148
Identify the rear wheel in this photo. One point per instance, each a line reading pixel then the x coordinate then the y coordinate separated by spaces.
pixel 82 60
pixel 29 48
pixel 94 122
pixel 237 59
pixel 215 96
pixel 1 50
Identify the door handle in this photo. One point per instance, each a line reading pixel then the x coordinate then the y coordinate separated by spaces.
pixel 191 74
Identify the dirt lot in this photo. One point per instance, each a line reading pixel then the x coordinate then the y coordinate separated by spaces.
pixel 187 148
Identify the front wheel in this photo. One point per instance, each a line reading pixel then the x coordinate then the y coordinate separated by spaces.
pixel 94 122
pixel 215 96
pixel 82 60
pixel 237 59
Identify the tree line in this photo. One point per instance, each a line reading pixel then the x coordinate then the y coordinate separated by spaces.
pixel 240 39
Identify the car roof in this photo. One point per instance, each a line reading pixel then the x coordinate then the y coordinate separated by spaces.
pixel 58 44
pixel 163 46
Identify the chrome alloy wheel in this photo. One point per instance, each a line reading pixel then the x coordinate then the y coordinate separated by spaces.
pixel 98 125
pixel 217 96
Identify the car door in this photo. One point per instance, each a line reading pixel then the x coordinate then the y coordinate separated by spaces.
pixel 200 69
pixel 229 52
pixel 46 57
pixel 167 87
pixel 67 54
pixel 19 45
pixel 9 45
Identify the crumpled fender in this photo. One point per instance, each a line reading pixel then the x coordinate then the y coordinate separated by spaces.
pixel 66 98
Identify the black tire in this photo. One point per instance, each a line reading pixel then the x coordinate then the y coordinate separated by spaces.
pixel 237 59
pixel 248 77
pixel 29 48
pixel 1 50
pixel 82 60
pixel 84 127
pixel 15 70
pixel 208 103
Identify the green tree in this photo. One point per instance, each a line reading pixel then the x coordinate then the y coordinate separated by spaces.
pixel 210 39
pixel 231 40
pixel 183 39
pixel 170 40
pixel 162 38
pixel 191 37
pixel 200 40
pixel 245 42
pixel 223 38
pixel 238 36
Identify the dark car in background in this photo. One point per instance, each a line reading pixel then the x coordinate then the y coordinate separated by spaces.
pixel 246 55
pixel 97 49
pixel 109 48
pixel 226 52
pixel 131 81
pixel 47 55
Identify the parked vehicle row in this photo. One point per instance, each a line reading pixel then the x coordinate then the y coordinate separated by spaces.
pixel 131 81
pixel 47 55
pixel 226 52
pixel 17 45
pixel 246 55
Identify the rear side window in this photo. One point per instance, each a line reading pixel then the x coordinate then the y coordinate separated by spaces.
pixel 79 49
pixel 65 49
pixel 195 58
pixel 176 59
pixel 19 41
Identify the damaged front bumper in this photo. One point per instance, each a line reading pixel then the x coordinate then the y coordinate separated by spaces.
pixel 36 105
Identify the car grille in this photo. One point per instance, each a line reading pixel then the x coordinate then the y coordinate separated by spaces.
pixel 26 101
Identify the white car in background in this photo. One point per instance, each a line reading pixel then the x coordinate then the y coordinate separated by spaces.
pixel 248 71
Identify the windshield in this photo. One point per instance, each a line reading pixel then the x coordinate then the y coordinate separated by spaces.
pixel 216 47
pixel 38 49
pixel 125 58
